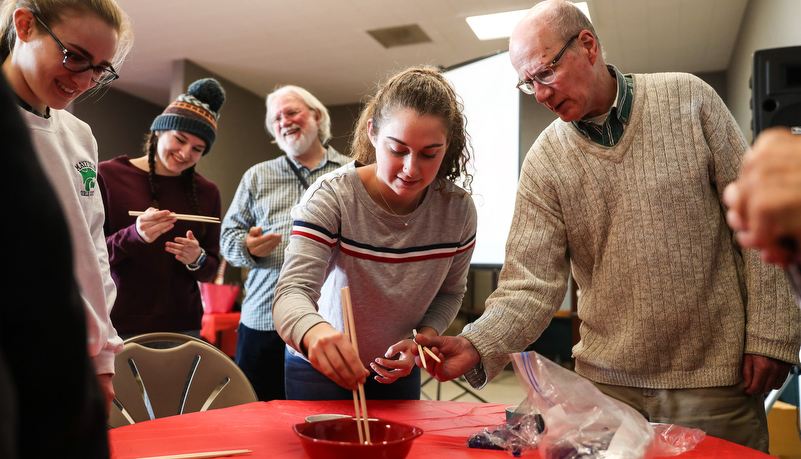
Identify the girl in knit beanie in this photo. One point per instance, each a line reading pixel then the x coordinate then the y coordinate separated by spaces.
pixel 156 259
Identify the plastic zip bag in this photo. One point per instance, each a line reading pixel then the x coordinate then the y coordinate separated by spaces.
pixel 583 423
pixel 521 432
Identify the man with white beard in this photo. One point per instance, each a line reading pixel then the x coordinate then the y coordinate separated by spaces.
pixel 256 227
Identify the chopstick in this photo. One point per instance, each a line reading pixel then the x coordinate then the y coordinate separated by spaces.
pixel 188 217
pixel 358 395
pixel 420 350
pixel 206 454
pixel 433 356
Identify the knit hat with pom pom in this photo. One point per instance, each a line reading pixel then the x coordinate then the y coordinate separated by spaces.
pixel 195 112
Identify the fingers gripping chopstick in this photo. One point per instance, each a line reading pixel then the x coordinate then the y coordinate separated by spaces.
pixel 358 395
pixel 420 350
pixel 193 218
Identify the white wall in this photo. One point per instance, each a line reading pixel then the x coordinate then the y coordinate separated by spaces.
pixel 491 105
pixel 766 24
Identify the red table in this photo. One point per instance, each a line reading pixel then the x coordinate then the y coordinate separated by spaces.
pixel 220 330
pixel 266 428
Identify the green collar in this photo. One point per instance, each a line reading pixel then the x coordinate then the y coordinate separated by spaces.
pixel 610 132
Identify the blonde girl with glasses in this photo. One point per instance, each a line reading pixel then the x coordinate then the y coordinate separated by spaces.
pixel 53 51
pixel 395 228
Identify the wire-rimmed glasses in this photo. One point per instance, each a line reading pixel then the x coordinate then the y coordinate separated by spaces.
pixel 545 75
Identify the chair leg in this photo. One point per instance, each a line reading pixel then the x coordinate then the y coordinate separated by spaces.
pixel 466 391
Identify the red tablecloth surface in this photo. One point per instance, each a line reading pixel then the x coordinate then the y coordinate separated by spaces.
pixel 266 428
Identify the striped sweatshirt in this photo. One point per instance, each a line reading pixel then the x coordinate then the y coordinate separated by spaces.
pixel 666 297
pixel 400 277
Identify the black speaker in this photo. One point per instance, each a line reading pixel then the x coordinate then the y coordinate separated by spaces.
pixel 776 88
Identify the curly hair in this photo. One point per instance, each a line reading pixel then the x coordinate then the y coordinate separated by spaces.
pixel 427 92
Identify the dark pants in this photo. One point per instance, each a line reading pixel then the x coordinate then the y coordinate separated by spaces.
pixel 304 382
pixel 260 355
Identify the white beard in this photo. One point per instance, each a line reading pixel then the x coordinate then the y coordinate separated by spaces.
pixel 300 145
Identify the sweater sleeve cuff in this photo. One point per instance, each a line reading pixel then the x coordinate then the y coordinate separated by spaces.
pixel 492 362
pixel 104 362
pixel 302 326
pixel 786 352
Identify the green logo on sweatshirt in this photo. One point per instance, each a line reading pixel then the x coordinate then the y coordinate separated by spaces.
pixel 88 172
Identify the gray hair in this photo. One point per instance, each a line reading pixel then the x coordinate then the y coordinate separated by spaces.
pixel 324 129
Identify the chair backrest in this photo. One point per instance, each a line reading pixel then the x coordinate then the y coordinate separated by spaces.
pixel 192 376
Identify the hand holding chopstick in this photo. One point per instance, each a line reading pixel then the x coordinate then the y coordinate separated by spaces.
pixel 188 217
pixel 358 395
pixel 421 349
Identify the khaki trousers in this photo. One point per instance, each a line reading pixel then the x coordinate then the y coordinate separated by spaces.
pixel 722 412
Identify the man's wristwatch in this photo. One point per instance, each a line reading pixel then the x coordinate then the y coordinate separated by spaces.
pixel 196 265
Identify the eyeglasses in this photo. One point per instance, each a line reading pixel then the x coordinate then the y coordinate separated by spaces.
pixel 76 63
pixel 546 75
pixel 291 113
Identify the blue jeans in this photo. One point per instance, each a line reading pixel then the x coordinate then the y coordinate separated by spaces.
pixel 304 382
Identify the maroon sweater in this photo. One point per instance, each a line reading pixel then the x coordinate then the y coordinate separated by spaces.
pixel 155 292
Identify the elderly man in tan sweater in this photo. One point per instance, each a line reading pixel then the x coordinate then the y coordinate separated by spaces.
pixel 625 190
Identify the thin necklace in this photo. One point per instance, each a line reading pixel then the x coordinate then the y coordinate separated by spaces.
pixel 405 223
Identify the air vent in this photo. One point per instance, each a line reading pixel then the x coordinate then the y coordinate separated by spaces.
pixel 400 36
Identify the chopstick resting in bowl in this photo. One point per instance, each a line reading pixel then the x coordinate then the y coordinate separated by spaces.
pixel 188 217
pixel 359 400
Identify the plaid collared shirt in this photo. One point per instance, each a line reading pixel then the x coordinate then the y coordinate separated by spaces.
pixel 264 198
pixel 609 133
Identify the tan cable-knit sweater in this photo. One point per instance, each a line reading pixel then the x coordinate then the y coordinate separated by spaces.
pixel 667 299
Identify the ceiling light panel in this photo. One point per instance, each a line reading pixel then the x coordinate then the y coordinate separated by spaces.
pixel 500 25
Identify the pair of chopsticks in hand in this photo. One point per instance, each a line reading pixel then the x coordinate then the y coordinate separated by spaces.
pixel 359 402
pixel 188 217
pixel 421 349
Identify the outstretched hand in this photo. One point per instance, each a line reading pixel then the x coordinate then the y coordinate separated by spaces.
pixel 186 249
pixel 765 201
pixel 398 362
pixel 261 245
pixel 456 353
